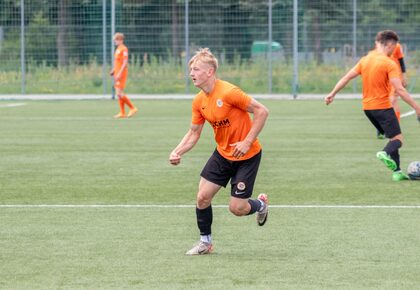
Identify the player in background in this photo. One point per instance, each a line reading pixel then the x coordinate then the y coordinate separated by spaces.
pixel 379 74
pixel 238 153
pixel 120 73
pixel 398 57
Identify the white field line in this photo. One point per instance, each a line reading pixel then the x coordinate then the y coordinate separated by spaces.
pixel 12 105
pixel 53 206
pixel 407 114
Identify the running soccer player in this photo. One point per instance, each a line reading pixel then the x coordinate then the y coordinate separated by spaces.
pixel 379 74
pixel 237 156
pixel 398 57
pixel 120 73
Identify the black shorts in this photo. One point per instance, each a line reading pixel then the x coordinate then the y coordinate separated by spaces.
pixel 242 174
pixel 385 121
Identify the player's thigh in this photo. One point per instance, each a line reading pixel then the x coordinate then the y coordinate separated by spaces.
pixel 389 122
pixel 217 170
pixel 119 86
pixel 242 183
pixel 370 115
pixel 206 192
pixel 119 91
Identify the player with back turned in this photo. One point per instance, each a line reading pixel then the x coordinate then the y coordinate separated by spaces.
pixel 379 74
pixel 238 153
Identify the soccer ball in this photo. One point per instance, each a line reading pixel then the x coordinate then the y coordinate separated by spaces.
pixel 413 170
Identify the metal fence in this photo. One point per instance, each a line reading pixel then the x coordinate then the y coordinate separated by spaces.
pixel 265 46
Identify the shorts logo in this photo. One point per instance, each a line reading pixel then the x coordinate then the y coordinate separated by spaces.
pixel 241 186
pixel 219 103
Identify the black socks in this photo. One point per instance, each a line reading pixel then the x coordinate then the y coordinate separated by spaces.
pixel 392 150
pixel 255 205
pixel 204 220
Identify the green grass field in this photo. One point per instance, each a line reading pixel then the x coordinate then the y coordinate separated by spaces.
pixel 74 153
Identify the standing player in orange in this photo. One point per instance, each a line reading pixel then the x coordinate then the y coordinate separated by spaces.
pixel 398 57
pixel 238 153
pixel 379 74
pixel 120 73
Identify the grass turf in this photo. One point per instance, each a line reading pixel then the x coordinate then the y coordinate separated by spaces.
pixel 73 152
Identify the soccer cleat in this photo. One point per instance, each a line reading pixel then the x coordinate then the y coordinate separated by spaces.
pixel 399 176
pixel 263 213
pixel 132 112
pixel 119 116
pixel 201 248
pixel 380 136
pixel 381 155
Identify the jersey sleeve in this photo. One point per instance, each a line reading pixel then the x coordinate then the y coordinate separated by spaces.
pixel 393 70
pixel 236 97
pixel 125 54
pixel 197 118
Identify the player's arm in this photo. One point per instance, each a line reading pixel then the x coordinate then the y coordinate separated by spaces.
pixel 340 85
pixel 402 92
pixel 260 113
pixel 403 70
pixel 186 144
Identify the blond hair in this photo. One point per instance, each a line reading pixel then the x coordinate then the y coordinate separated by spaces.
pixel 118 35
pixel 204 55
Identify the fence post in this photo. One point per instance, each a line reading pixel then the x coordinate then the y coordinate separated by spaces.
pixel 354 38
pixel 112 40
pixel 104 73
pixel 270 41
pixel 295 49
pixel 187 47
pixel 22 46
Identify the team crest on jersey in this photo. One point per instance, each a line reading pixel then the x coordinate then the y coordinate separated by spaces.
pixel 241 185
pixel 219 103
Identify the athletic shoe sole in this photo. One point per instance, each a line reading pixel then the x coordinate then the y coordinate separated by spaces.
pixel 382 156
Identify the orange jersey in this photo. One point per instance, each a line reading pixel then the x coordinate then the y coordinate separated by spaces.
pixel 225 109
pixel 376 70
pixel 120 55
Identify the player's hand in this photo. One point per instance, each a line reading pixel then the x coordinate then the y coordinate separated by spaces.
pixel 329 99
pixel 111 73
pixel 117 77
pixel 241 148
pixel 174 158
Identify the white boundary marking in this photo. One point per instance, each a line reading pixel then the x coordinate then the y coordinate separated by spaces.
pixel 12 105
pixel 407 114
pixel 315 206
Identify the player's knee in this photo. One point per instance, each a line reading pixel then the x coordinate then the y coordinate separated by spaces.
pixel 238 209
pixel 203 201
